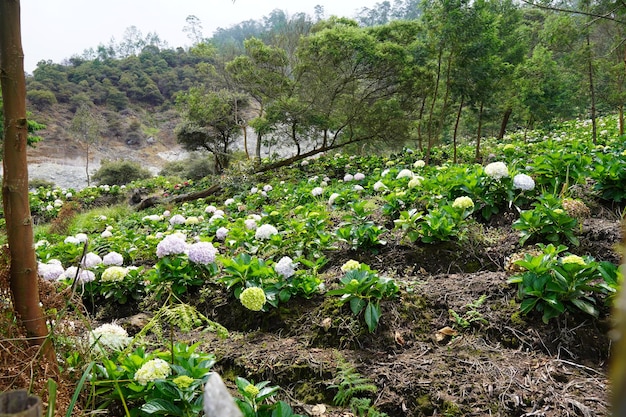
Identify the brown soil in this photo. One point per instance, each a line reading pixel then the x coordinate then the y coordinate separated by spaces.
pixel 421 360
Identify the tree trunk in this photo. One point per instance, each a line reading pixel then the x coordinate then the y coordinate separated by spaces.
pixel 480 131
pixel 594 128
pixel 505 122
pixel 456 128
pixel 24 281
pixel 432 107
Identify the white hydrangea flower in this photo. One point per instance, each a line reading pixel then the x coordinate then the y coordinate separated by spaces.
pixel 202 253
pixel 348 177
pixel 166 213
pixel 84 275
pixel 109 335
pixel 416 181
pixel 229 201
pixel 221 233
pixel 210 209
pixel 82 237
pixel 405 173
pixel 332 198
pixel 171 245
pixel 250 224
pixel 106 234
pixel 265 231
pixel 497 170
pixel 359 176
pixel 91 260
pixel 304 163
pixel 72 240
pixel 151 218
pixel 317 191
pixel 285 267
pixel 113 258
pixel 358 188
pixel 177 219
pixel 51 270
pixel 152 370
pixel 379 185
pixel 523 182
pixel 254 190
pixel 419 164
pixel 267 188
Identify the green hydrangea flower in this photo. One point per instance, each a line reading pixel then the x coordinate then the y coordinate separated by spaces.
pixel 252 390
pixel 253 298
pixel 350 265
pixel 114 273
pixel 152 370
pixel 183 381
pixel 573 259
pixel 463 203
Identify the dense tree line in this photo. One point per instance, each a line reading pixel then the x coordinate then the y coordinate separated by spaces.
pixel 401 74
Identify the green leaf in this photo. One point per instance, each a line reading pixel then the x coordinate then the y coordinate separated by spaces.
pixel 586 307
pixel 356 305
pixel 372 315
pixel 160 406
pixel 282 409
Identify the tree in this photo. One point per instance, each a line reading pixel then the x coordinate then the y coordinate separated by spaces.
pixel 86 127
pixel 23 268
pixel 209 123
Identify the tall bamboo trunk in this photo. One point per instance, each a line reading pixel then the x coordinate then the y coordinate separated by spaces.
pixel 19 225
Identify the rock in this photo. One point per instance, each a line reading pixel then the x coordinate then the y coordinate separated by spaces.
pixel 217 400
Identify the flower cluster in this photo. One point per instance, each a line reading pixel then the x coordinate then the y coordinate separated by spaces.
pixel 317 191
pixel 573 259
pixel 285 267
pixel 463 203
pixel 265 231
pixel 51 270
pixel 113 258
pixel 350 265
pixel 253 298
pixel 415 181
pixel 110 335
pixel 202 253
pixel 419 164
pixel 405 173
pixel 91 259
pixel 177 219
pixel 82 275
pixel 183 381
pixel 152 370
pixel 523 182
pixel 497 170
pixel 171 245
pixel 114 273
pixel 221 233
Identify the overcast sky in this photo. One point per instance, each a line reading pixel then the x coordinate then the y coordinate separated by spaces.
pixel 57 29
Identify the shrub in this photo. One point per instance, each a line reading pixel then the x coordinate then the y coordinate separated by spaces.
pixel 42 98
pixel 120 172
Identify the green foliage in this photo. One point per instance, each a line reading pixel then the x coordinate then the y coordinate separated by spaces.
pixel 178 275
pixel 179 393
pixel 358 230
pixel 120 172
pixel 363 289
pixel 349 382
pixel 547 221
pixel 41 99
pixel 471 314
pixel 610 177
pixel 553 283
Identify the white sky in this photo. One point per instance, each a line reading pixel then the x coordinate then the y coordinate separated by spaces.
pixel 58 29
